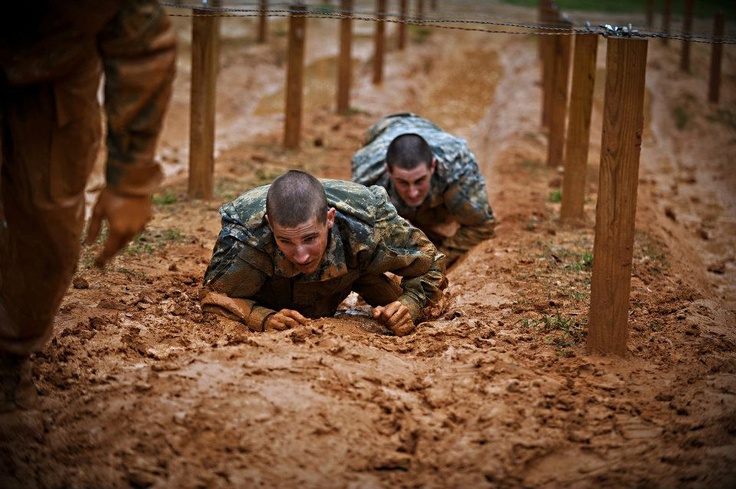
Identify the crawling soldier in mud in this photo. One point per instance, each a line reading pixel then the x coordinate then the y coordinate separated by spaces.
pixel 432 179
pixel 52 56
pixel 295 249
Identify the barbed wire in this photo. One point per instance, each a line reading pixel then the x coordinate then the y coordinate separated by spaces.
pixel 529 28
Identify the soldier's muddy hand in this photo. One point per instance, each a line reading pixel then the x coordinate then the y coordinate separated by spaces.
pixel 126 215
pixel 285 319
pixel 396 316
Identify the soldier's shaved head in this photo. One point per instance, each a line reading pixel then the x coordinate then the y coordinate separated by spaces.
pixel 295 198
pixel 408 151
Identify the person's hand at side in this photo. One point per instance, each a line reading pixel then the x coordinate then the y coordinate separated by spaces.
pixel 396 316
pixel 285 319
pixel 126 215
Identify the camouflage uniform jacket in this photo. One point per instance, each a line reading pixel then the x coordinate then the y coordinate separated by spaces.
pixel 457 189
pixel 368 237
pixel 45 41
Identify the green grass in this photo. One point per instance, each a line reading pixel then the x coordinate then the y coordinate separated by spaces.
pixel 555 196
pixel 681 117
pixel 723 116
pixel 419 34
pixel 562 332
pixel 701 8
pixel 148 242
pixel 165 198
pixel 650 253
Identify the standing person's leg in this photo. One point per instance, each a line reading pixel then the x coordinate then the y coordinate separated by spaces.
pixel 50 138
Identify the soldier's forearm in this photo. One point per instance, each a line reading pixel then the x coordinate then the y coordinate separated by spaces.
pixel 468 236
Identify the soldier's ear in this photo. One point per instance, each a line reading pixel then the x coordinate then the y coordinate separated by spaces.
pixel 268 220
pixel 433 166
pixel 330 217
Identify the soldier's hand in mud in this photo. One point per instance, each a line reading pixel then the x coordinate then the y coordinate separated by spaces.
pixel 285 319
pixel 396 316
pixel 126 215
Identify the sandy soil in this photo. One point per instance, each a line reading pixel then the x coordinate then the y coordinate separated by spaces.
pixel 138 389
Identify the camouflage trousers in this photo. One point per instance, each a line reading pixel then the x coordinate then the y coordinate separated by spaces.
pixel 49 139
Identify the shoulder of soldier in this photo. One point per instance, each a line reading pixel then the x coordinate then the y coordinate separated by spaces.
pixel 350 197
pixel 247 211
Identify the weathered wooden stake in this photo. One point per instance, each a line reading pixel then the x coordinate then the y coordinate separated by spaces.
pixel 295 75
pixel 379 42
pixel 402 24
pixel 687 27
pixel 548 16
pixel 714 85
pixel 623 123
pixel 345 63
pixel 562 48
pixel 202 104
pixel 263 21
pixel 420 10
pixel 650 13
pixel 666 18
pixel 578 128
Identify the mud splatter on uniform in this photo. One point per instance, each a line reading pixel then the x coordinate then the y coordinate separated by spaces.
pixel 52 56
pixel 367 239
pixel 457 192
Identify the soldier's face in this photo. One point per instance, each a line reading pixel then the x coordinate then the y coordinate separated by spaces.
pixel 412 185
pixel 304 245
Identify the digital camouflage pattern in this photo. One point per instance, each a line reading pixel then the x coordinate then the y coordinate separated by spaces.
pixel 457 195
pixel 367 239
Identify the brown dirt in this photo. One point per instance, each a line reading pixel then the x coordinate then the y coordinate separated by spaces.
pixel 139 390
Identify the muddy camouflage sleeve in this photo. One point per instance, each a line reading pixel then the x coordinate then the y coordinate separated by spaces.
pixel 231 278
pixel 405 251
pixel 237 271
pixel 139 58
pixel 466 198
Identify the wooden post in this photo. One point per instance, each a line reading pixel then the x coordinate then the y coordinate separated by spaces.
pixel 558 115
pixel 345 62
pixel 263 21
pixel 714 85
pixel 379 42
pixel 202 104
pixel 687 27
pixel 650 13
pixel 666 18
pixel 402 24
pixel 547 17
pixel 623 124
pixel 295 76
pixel 420 10
pixel 578 128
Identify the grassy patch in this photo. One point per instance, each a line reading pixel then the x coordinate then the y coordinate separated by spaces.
pixel 151 241
pixel 682 116
pixel 324 8
pixel 165 198
pixel 418 33
pixel 555 196
pixel 723 116
pixel 650 253
pixel 558 330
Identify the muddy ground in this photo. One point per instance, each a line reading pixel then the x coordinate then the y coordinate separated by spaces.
pixel 138 389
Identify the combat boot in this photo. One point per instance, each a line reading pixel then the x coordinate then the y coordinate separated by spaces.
pixel 17 390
